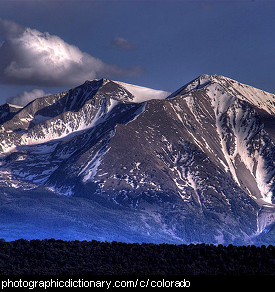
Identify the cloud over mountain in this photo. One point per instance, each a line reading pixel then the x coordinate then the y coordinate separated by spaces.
pixel 28 56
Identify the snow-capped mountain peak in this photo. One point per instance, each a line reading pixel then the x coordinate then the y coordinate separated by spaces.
pixel 197 165
pixel 244 116
pixel 256 97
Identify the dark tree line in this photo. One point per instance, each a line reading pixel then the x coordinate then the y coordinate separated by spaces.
pixel 57 257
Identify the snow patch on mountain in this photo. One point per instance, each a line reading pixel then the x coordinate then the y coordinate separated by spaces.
pixel 142 94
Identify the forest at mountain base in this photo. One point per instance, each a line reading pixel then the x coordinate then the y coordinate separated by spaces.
pixel 58 257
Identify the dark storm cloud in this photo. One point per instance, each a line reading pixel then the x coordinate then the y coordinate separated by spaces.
pixel 28 56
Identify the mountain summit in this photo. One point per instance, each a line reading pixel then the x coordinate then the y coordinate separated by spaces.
pixel 111 160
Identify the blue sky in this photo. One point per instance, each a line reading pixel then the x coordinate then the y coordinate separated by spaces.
pixel 157 44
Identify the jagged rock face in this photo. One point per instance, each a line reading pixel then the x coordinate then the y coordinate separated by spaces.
pixel 197 166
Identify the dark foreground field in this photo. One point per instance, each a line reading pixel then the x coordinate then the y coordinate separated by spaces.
pixel 57 257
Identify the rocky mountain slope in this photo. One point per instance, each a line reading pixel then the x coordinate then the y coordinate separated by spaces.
pixel 109 160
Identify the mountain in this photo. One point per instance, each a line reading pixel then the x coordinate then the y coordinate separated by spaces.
pixel 114 161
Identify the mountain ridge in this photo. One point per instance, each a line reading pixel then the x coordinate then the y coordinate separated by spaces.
pixel 197 164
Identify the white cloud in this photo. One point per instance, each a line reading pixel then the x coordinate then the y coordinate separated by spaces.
pixel 28 56
pixel 9 28
pixel 123 44
pixel 26 97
